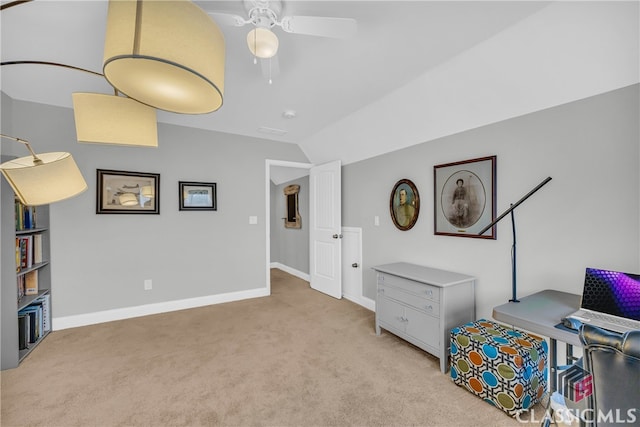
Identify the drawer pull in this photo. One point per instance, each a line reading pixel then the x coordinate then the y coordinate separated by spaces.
pixel 403 319
pixel 429 292
pixel 429 307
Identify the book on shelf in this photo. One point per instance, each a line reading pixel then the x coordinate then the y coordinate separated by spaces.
pixel 23 327
pixel 25 216
pixel 34 327
pixel 18 255
pixel 28 250
pixel 37 248
pixel 45 302
pixel 21 287
pixel 31 283
pixel 19 215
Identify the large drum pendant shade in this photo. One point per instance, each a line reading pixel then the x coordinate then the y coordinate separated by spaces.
pixel 166 54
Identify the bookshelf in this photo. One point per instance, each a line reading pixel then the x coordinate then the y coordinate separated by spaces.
pixel 25 297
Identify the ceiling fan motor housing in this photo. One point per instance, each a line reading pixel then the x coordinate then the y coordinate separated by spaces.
pixel 263 14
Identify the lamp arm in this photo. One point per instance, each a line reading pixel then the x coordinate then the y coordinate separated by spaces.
pixel 53 64
pixel 36 160
pixel 514 205
pixel 13 3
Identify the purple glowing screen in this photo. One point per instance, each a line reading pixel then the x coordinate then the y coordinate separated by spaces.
pixel 612 292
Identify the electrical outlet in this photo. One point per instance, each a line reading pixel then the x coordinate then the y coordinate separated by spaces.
pixel 148 285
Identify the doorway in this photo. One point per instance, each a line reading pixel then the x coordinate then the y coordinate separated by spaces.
pixel 279 172
pixel 325 226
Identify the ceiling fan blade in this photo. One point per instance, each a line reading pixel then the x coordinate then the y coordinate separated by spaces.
pixel 270 67
pixel 340 28
pixel 228 19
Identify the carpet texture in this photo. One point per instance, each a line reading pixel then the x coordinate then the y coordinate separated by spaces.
pixel 295 358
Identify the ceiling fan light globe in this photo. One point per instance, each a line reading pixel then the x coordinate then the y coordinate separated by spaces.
pixel 262 42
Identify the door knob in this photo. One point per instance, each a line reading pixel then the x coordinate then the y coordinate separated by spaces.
pixel 354 265
pixel 337 236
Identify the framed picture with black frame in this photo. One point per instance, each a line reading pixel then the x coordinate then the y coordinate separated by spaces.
pixel 124 192
pixel 197 196
pixel 465 197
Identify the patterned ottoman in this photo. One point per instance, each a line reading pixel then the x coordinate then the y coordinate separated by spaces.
pixel 503 366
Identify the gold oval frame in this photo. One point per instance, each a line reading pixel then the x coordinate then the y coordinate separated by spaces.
pixel 401 220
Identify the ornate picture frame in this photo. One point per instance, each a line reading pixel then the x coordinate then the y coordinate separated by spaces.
pixel 124 192
pixel 404 204
pixel 292 218
pixel 465 197
pixel 197 196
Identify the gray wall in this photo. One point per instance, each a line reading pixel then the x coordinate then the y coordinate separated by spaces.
pixel 99 262
pixel 588 215
pixel 290 246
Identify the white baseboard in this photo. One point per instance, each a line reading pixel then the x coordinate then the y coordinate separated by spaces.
pixel 292 271
pixel 363 301
pixel 66 322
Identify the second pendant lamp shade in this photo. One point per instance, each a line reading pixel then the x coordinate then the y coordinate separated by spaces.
pixel 166 54
pixel 108 119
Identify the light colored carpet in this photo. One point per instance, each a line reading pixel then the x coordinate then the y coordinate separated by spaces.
pixel 296 358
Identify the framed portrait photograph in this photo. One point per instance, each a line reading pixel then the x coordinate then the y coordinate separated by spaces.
pixel 465 197
pixel 123 192
pixel 404 204
pixel 197 196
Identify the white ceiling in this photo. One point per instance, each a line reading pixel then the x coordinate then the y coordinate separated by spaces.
pixel 328 81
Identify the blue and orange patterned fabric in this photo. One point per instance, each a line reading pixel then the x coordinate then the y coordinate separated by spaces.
pixel 504 366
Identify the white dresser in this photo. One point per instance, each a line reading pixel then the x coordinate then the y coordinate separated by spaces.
pixel 422 304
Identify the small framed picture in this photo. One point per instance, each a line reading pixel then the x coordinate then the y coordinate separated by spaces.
pixel 197 196
pixel 123 192
pixel 404 205
pixel 465 197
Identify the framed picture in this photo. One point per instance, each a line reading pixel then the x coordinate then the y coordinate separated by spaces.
pixel 404 204
pixel 122 192
pixel 197 196
pixel 465 197
pixel 293 218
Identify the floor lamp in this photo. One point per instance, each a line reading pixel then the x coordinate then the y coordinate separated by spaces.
pixel 513 227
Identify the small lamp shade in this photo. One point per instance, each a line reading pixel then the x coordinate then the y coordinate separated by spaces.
pixel 128 199
pixel 262 43
pixel 117 120
pixel 56 178
pixel 166 54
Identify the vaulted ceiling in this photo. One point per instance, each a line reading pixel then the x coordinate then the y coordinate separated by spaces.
pixel 453 65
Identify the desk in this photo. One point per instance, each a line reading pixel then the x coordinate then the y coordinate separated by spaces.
pixel 539 313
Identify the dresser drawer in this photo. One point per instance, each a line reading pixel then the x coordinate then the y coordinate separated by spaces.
pixel 420 303
pixel 416 288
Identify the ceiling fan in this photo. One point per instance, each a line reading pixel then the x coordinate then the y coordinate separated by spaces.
pixel 263 15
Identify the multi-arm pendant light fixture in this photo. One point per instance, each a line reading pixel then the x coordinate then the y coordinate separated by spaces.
pixel 161 54
pixel 43 179
pixel 166 54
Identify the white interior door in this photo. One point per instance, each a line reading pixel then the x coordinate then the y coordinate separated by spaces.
pixel 352 264
pixel 325 218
